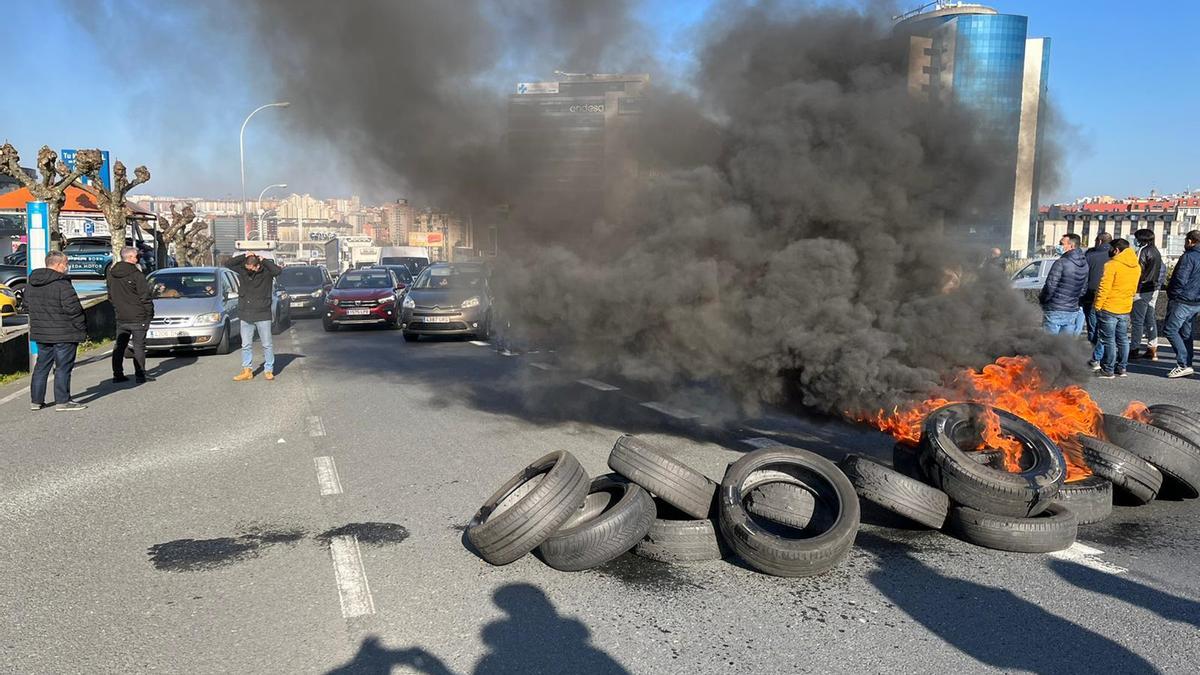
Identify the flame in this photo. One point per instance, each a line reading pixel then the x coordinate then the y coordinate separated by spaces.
pixel 1012 384
pixel 1137 411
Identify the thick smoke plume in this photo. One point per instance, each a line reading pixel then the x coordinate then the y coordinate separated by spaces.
pixel 784 237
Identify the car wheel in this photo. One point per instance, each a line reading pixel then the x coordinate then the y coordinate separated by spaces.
pixel 411 337
pixel 223 346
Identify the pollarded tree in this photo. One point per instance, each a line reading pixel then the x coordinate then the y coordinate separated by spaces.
pixel 197 244
pixel 53 178
pixel 113 202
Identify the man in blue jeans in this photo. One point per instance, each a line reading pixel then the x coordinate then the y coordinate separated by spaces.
pixel 1183 304
pixel 57 325
pixel 257 276
pixel 1096 257
pixel 1065 285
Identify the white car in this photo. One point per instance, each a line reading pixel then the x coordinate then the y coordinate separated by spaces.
pixel 1032 277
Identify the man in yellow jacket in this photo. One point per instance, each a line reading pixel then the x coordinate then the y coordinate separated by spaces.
pixel 1114 301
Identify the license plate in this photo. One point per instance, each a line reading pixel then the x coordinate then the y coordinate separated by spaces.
pixel 436 319
pixel 298 303
pixel 358 310
pixel 158 334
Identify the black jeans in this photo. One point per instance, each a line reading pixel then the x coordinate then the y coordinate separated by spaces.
pixel 61 355
pixel 127 334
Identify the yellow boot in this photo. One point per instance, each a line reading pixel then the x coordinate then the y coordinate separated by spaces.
pixel 244 376
pixel 268 375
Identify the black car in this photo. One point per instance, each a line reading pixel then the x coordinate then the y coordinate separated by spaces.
pixel 402 274
pixel 307 286
pixel 17 257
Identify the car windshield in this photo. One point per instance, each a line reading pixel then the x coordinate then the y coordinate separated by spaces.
pixel 183 285
pixel 448 278
pixel 400 271
pixel 365 279
pixel 1030 272
pixel 300 276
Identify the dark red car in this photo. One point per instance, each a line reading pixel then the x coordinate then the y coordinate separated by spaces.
pixel 364 297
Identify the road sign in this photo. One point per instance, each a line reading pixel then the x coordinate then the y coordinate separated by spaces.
pixel 89 229
pixel 537 87
pixel 68 157
pixel 37 224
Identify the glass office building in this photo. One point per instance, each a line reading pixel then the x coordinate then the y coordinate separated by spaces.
pixel 985 60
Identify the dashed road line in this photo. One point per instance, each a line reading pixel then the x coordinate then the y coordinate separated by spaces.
pixel 315 426
pixel 505 352
pixel 670 410
pixel 327 476
pixel 1084 555
pixel 598 385
pixel 353 589
pixel 543 366
pixel 481 343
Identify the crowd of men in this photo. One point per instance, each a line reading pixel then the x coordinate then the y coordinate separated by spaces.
pixel 1111 291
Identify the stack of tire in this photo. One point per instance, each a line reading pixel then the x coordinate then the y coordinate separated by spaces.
pixel 784 511
pixel 1146 460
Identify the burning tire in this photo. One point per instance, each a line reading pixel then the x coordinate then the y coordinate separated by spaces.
pixel 669 479
pixel 789 552
pixel 1130 474
pixel 1052 530
pixel 529 508
pixel 674 537
pixel 786 503
pixel 1020 494
pixel 906 460
pixel 614 517
pixel 896 492
pixel 1091 499
pixel 1179 421
pixel 1176 458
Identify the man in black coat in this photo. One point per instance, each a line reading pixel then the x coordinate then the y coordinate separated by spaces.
pixel 1144 318
pixel 257 292
pixel 1065 285
pixel 57 325
pixel 130 297
pixel 1096 256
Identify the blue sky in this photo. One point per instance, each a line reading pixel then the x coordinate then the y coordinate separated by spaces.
pixel 1123 74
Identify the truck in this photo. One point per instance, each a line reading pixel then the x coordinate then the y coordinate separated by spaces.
pixel 339 255
pixel 416 258
pixel 363 256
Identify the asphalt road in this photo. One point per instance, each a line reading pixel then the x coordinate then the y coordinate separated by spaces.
pixel 314 523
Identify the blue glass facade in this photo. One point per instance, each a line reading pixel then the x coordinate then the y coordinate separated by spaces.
pixel 989 66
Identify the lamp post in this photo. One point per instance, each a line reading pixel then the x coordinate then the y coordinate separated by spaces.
pixel 242 159
pixel 260 208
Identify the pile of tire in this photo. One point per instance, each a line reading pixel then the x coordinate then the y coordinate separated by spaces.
pixel 784 511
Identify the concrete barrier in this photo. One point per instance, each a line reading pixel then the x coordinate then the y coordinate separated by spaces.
pixel 14 340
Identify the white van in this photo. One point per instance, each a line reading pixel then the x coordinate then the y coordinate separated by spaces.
pixel 416 258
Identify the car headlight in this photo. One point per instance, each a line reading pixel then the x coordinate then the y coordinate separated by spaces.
pixel 470 302
pixel 208 319
pixel 317 293
pixel 409 303
pixel 387 300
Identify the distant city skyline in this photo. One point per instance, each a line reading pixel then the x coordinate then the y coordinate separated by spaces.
pixel 1120 90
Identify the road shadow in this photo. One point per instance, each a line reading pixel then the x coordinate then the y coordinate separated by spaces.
pixel 532 637
pixel 991 625
pixel 106 386
pixel 282 361
pixel 1170 607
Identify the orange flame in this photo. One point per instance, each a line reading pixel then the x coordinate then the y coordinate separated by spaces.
pixel 1012 384
pixel 1137 411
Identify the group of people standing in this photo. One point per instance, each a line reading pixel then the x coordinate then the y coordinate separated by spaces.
pixel 1111 290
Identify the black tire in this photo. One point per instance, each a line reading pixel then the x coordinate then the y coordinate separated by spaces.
pixel 1053 529
pixel 667 478
pixel 1091 499
pixel 1176 458
pixel 330 327
pixel 223 345
pixel 896 492
pixel 411 337
pixel 1130 474
pixel 614 517
pixel 906 460
pixel 1020 494
pixel 790 553
pixel 675 537
pixel 1179 421
pixel 502 535
pixel 786 503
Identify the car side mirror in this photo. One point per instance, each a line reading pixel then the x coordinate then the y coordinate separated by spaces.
pixel 231 295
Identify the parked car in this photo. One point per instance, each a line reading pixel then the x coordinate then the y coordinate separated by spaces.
pixel 1033 276
pixel 17 257
pixel 448 299
pixel 14 276
pixel 8 301
pixel 307 285
pixel 197 308
pixel 363 297
pixel 92 256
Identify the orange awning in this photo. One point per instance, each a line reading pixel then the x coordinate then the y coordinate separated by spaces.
pixel 78 201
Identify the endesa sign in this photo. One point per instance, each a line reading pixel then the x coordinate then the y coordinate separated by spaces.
pixel 426 239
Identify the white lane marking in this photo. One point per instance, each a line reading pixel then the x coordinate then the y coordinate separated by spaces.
pixel 505 352
pixel 315 426
pixel 327 476
pixel 481 343
pixel 598 385
pixel 351 577
pixel 761 442
pixel 1082 554
pixel 669 410
pixel 543 366
pixel 13 396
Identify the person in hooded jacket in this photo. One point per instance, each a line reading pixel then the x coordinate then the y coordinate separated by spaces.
pixel 57 325
pixel 1114 301
pixel 1143 317
pixel 1065 285
pixel 129 295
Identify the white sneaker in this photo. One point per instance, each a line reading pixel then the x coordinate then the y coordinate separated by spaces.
pixel 1180 371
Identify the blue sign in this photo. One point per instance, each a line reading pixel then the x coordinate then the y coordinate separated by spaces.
pixel 89 228
pixel 37 224
pixel 68 157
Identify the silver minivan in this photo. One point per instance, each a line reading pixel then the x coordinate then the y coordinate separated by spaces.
pixel 197 308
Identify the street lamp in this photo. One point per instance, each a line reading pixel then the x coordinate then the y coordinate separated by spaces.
pixel 242 154
pixel 260 208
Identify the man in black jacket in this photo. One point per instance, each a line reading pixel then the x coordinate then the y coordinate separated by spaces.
pixel 1065 285
pixel 1096 256
pixel 1154 272
pixel 257 276
pixel 130 297
pixel 57 325
pixel 1183 305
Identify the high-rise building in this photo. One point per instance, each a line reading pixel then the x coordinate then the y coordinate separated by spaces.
pixel 397 221
pixel 986 61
